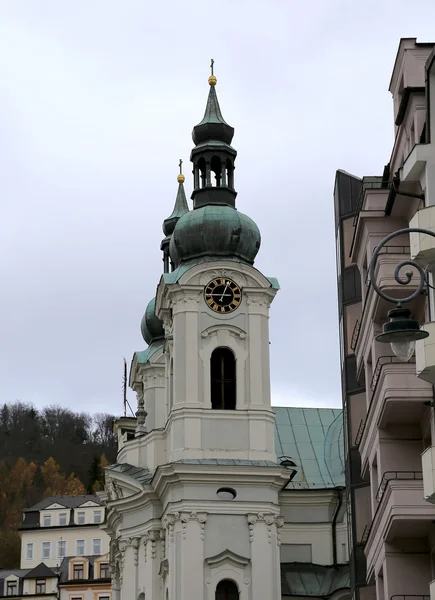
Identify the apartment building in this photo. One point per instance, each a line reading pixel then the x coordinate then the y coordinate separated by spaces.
pixel 62 526
pixel 388 404
pixel 40 582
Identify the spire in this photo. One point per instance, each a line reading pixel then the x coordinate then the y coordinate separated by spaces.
pixel 213 126
pixel 213 157
pixel 180 208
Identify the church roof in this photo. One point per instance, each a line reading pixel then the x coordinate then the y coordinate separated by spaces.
pixel 313 439
pixel 306 579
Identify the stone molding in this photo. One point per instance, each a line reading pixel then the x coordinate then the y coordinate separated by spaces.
pixel 153 536
pixel 182 302
pixel 270 520
pixel 154 380
pixel 183 517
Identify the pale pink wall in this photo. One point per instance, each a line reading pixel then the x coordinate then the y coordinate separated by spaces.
pixel 407 574
pixel 399 455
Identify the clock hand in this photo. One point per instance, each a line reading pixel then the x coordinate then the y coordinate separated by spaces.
pixel 223 294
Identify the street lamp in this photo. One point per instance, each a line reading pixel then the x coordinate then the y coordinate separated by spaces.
pixel 401 331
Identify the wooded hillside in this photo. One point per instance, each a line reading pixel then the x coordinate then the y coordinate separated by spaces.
pixel 43 453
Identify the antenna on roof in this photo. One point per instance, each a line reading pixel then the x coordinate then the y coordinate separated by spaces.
pixel 124 387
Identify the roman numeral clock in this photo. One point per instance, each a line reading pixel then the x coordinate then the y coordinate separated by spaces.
pixel 222 295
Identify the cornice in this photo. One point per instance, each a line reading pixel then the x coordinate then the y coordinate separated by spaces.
pixel 240 475
pixel 307 497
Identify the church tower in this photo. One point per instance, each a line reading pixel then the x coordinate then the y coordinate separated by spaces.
pixel 193 507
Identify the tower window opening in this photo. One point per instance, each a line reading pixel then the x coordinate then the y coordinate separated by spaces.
pixel 223 379
pixel 202 172
pixel 230 174
pixel 217 170
pixel 227 590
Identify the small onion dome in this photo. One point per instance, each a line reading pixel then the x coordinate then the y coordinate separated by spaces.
pixel 151 327
pixel 214 230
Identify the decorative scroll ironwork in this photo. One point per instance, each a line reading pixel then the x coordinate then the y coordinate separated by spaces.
pixel 397 273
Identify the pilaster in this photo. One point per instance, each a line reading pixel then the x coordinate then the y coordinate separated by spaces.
pixel 264 538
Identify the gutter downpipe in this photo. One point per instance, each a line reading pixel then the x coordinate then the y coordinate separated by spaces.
pixel 339 492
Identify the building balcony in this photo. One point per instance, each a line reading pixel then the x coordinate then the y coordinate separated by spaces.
pixel 423 245
pixel 398 397
pixel 428 466
pixel 401 512
pixel 411 597
pixel 425 354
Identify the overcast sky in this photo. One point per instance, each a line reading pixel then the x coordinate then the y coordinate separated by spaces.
pixel 97 103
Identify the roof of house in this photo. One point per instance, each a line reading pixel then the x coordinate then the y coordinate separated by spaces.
pixel 64 570
pixel 313 439
pixel 40 570
pixel 66 501
pixel 306 579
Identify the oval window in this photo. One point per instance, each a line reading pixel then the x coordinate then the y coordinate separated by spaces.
pixel 226 493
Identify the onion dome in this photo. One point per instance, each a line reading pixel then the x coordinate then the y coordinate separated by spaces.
pixel 151 326
pixel 214 231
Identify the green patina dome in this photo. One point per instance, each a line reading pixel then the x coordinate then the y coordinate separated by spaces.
pixel 214 230
pixel 151 327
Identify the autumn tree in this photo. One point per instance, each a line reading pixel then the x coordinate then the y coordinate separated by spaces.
pixel 16 487
pixel 57 484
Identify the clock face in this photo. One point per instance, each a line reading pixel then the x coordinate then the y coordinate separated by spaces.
pixel 222 295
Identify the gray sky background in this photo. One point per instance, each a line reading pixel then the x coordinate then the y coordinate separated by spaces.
pixel 97 103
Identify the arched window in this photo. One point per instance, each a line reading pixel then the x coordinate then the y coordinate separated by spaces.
pixel 227 590
pixel 223 379
pixel 202 167
pixel 216 169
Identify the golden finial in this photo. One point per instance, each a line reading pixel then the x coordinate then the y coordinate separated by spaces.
pixel 212 79
pixel 180 177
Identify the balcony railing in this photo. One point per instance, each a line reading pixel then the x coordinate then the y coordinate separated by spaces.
pixel 410 597
pixel 355 334
pixel 394 476
pixel 365 535
pixel 381 362
pixel 360 432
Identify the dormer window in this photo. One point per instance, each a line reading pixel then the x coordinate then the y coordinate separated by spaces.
pixel 40 586
pixel 47 520
pixel 62 519
pixel 78 571
pixel 97 516
pixel 12 588
pixel 104 571
pixel 81 518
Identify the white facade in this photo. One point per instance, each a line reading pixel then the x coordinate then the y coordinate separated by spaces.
pixel 57 530
pixel 198 504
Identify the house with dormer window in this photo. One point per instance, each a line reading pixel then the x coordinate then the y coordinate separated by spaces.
pixel 39 582
pixel 85 578
pixel 62 526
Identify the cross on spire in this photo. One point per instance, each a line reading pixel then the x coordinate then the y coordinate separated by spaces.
pixel 180 164
pixel 211 66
